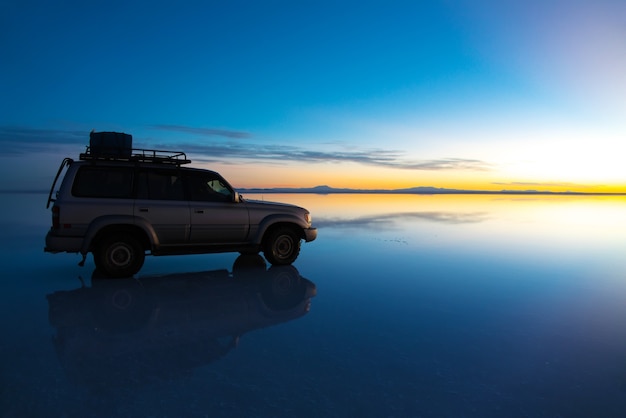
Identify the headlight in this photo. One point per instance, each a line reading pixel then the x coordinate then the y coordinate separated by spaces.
pixel 307 218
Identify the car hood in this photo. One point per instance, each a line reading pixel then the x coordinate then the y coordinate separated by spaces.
pixel 258 210
pixel 262 204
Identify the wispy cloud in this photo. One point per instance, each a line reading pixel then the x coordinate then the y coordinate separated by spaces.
pixel 19 140
pixel 449 164
pixel 374 157
pixel 202 131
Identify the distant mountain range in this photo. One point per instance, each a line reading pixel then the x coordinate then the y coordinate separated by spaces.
pixel 411 190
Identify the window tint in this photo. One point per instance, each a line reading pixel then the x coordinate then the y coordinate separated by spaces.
pixel 106 182
pixel 160 185
pixel 208 187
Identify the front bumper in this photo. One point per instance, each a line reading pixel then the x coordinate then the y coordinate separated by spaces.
pixel 310 234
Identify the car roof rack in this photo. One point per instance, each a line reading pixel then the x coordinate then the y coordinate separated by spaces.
pixel 137 155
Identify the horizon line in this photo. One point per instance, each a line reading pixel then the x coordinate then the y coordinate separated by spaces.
pixel 322 189
pixel 415 190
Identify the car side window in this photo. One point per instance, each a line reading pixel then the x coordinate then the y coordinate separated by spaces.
pixel 208 188
pixel 160 185
pixel 104 182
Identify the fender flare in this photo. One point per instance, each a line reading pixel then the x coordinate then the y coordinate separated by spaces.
pixel 271 220
pixel 117 221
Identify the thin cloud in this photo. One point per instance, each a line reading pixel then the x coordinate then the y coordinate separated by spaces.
pixel 449 164
pixel 202 131
pixel 373 157
pixel 19 140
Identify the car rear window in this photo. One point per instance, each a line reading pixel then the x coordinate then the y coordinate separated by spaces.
pixel 105 182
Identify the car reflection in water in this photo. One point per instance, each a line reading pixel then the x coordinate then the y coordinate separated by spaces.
pixel 127 331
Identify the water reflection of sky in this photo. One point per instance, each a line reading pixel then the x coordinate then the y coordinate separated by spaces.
pixel 425 306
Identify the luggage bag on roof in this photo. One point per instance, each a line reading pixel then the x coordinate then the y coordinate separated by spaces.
pixel 110 144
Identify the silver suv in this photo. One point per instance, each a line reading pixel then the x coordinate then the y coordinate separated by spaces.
pixel 120 203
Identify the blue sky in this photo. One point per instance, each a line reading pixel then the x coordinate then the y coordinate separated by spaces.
pixel 480 94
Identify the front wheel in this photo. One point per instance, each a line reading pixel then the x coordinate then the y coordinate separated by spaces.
pixel 119 255
pixel 282 246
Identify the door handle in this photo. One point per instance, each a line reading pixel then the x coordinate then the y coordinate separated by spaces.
pixel 199 211
pixel 143 209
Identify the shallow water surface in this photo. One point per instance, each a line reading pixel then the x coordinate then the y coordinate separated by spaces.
pixel 405 305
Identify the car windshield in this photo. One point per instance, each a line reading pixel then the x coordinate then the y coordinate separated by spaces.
pixel 208 187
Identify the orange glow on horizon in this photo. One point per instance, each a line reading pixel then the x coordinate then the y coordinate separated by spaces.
pixel 243 176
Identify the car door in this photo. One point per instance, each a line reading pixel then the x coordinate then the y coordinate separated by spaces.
pixel 161 202
pixel 215 216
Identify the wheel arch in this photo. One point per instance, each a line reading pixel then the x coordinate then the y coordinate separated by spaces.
pixel 269 223
pixel 106 226
pixel 271 227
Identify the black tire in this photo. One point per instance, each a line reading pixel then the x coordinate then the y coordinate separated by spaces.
pixel 281 246
pixel 119 255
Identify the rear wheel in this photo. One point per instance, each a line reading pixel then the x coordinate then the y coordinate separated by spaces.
pixel 119 255
pixel 282 246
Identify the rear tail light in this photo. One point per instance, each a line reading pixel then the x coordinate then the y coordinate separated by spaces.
pixel 55 217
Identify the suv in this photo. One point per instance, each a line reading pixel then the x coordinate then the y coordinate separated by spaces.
pixel 120 203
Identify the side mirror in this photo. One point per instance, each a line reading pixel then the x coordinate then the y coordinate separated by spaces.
pixel 236 197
